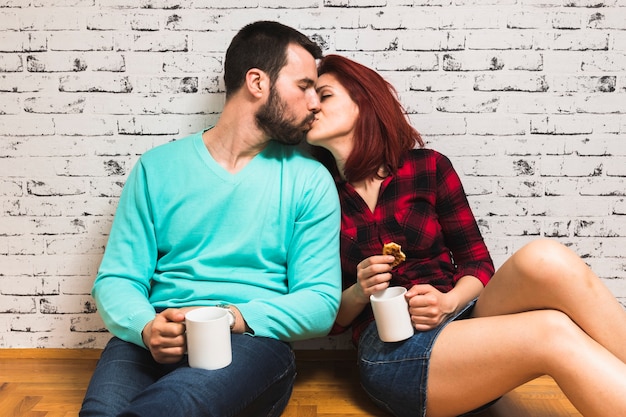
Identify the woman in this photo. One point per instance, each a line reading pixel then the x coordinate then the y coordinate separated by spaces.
pixel 479 334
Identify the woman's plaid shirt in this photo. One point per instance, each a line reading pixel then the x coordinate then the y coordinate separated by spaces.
pixel 424 209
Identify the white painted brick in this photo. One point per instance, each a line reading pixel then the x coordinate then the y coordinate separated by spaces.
pixel 26 126
pixel 17 83
pixel 79 125
pixel 143 63
pixel 167 85
pixel 37 323
pixel 67 304
pixel 441 82
pixel 11 63
pixel 415 102
pixel 191 62
pixel 580 41
pixel 429 125
pixel 600 227
pixel 557 228
pixel 562 62
pixel 75 245
pixel 616 166
pixel 432 40
pixel 522 187
pixel 473 18
pixel 570 166
pixel 528 19
pixel 367 40
pixel 123 104
pixel 147 125
pixel 561 186
pixel 23 285
pixel 14 3
pixel 12 188
pixel 560 125
pixel 462 146
pixel 584 207
pixel 10 104
pixel 354 3
pixel 602 186
pixel 107 20
pixel 90 323
pixel 81 41
pixel 497 125
pixel 46 62
pixel 567 19
pixel 602 103
pixel 499 39
pixel 50 18
pixel 106 83
pixel 192 104
pixel 54 104
pixel 91 166
pixel 537 104
pixel 57 187
pixel 65 3
pixel 157 42
pixel 8 20
pixel 502 167
pixel 511 82
pixel 407 61
pixel 618 41
pixel 524 96
pixel 146 21
pixel 17 304
pixel 620 207
pixel 613 18
pixel 604 61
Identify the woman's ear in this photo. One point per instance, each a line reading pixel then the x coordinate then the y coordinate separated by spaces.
pixel 257 82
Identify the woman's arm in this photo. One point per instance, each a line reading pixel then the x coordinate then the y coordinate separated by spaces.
pixel 373 274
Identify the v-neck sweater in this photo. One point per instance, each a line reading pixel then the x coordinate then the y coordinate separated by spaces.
pixel 189 233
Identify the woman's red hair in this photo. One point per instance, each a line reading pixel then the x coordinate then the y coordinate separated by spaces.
pixel 383 133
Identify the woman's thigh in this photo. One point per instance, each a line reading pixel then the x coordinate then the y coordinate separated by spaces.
pixel 475 361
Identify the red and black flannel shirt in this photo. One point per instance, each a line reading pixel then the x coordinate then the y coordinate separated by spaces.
pixel 424 209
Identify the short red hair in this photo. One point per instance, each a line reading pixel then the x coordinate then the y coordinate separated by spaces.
pixel 383 133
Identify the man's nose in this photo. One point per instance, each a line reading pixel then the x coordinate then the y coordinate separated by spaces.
pixel 314 102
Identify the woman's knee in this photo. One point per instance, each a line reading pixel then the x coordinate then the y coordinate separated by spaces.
pixel 548 263
pixel 556 336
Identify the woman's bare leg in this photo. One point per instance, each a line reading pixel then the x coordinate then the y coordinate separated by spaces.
pixel 477 360
pixel 546 275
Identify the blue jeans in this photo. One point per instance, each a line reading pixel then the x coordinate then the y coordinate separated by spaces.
pixel 128 382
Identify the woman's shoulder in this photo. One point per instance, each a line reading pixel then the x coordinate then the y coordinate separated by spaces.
pixel 426 157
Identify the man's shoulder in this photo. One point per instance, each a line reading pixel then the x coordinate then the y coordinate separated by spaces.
pixel 170 148
pixel 294 155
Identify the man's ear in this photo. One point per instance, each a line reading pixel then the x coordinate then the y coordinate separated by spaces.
pixel 257 82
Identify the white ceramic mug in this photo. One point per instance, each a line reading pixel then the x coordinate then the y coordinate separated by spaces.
pixel 391 312
pixel 208 338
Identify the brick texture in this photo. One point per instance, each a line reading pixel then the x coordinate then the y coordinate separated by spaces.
pixel 528 99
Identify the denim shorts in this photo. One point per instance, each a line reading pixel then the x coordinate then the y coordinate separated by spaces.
pixel 395 375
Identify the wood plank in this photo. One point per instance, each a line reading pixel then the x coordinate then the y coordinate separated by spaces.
pixel 52 383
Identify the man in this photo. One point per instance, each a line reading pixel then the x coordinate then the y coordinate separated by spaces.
pixel 232 217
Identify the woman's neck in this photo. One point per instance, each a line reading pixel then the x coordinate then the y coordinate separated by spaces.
pixel 369 189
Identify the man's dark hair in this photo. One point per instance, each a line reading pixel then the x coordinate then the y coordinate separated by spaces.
pixel 262 45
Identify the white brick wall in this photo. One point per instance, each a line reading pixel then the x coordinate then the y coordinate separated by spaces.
pixel 527 97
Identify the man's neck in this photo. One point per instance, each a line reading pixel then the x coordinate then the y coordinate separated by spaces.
pixel 233 143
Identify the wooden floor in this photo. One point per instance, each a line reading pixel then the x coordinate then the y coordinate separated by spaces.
pixel 52 382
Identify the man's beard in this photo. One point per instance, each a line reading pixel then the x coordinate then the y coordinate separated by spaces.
pixel 272 120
